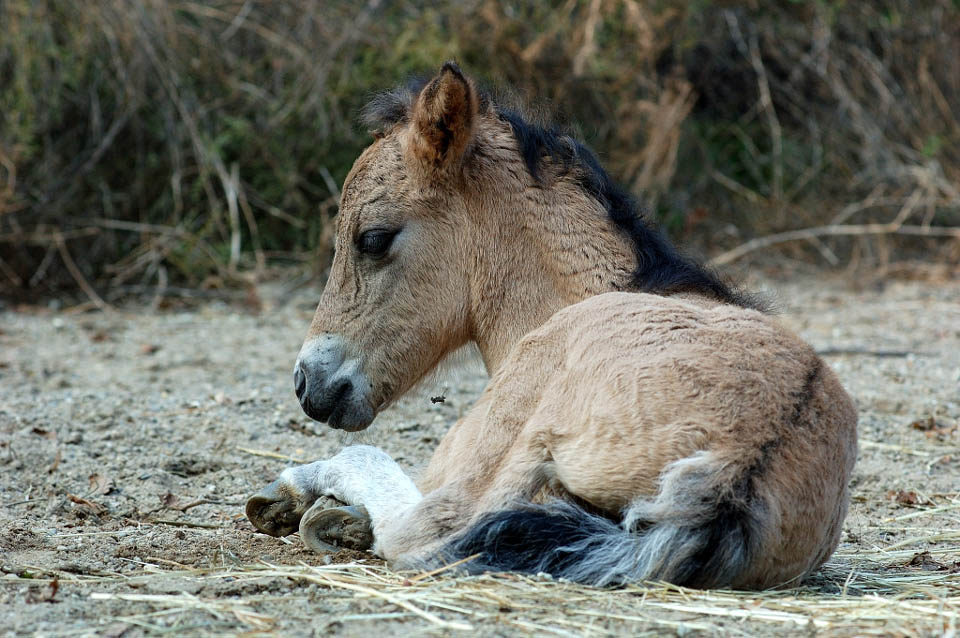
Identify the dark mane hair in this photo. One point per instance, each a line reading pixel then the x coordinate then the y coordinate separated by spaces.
pixel 661 268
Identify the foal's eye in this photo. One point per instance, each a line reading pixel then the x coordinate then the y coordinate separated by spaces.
pixel 375 243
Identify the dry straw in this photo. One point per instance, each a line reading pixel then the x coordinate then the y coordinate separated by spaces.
pixel 875 593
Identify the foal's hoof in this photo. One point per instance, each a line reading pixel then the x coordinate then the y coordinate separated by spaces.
pixel 327 529
pixel 276 509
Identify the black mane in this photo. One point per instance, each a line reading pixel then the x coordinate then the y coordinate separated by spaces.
pixel 661 268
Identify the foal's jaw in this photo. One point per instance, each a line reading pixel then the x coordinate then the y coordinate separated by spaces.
pixel 331 386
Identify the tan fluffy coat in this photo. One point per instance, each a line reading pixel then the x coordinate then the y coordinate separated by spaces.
pixel 686 437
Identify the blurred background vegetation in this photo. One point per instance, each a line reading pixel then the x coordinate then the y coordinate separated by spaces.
pixel 154 147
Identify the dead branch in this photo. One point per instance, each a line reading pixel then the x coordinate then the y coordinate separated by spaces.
pixel 163 521
pixel 832 231
pixel 78 276
pixel 10 273
pixel 867 352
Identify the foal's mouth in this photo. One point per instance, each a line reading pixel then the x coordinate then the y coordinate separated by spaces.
pixel 331 386
pixel 341 404
pixel 342 410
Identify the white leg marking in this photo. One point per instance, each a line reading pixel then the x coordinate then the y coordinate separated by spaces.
pixel 358 475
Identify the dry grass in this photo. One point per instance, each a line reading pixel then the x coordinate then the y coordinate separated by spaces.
pixel 907 588
pixel 158 148
pixel 853 595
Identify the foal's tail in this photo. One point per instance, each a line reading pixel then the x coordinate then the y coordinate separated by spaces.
pixel 702 530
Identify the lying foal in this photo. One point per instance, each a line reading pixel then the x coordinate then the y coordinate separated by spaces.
pixel 642 420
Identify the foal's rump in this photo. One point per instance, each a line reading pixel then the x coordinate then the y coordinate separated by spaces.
pixel 717 444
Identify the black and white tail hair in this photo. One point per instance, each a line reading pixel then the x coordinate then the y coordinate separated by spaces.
pixel 702 531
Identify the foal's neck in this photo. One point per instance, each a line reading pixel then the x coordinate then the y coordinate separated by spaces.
pixel 541 250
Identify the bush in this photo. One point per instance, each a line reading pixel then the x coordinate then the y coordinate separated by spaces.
pixel 149 144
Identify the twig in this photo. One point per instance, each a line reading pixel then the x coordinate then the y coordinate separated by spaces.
pixel 322 579
pixel 164 521
pixel 38 237
pixel 271 455
pixel 291 288
pixel 9 189
pixel 892 448
pixel 736 187
pixel 107 139
pixel 249 217
pixel 872 199
pixel 41 270
pixel 440 570
pixel 10 273
pixel 176 291
pixel 919 539
pixel 589 46
pixel 776 136
pixel 330 182
pixel 162 281
pixel 826 352
pixel 832 231
pixel 29 500
pixel 233 208
pixel 828 254
pixel 203 501
pixel 270 36
pixel 78 276
pixel 237 21
pixel 138 227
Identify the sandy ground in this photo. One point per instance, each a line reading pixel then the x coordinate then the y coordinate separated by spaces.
pixel 130 440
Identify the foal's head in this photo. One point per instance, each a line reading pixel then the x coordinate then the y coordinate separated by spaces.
pixel 396 299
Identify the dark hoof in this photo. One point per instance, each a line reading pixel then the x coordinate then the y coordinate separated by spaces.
pixel 327 529
pixel 276 509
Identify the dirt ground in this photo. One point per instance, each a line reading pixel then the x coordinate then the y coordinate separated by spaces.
pixel 129 441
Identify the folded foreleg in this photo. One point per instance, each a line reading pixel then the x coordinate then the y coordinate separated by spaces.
pixel 371 483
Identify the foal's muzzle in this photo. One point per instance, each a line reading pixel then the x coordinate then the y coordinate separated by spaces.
pixel 331 388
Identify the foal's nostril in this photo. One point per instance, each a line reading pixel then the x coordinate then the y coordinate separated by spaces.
pixel 299 381
pixel 341 390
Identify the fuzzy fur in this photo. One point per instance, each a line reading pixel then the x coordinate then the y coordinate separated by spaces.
pixel 642 419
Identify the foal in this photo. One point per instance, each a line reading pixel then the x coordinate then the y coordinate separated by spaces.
pixel 642 420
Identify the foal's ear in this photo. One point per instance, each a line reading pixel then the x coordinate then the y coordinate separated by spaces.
pixel 443 119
